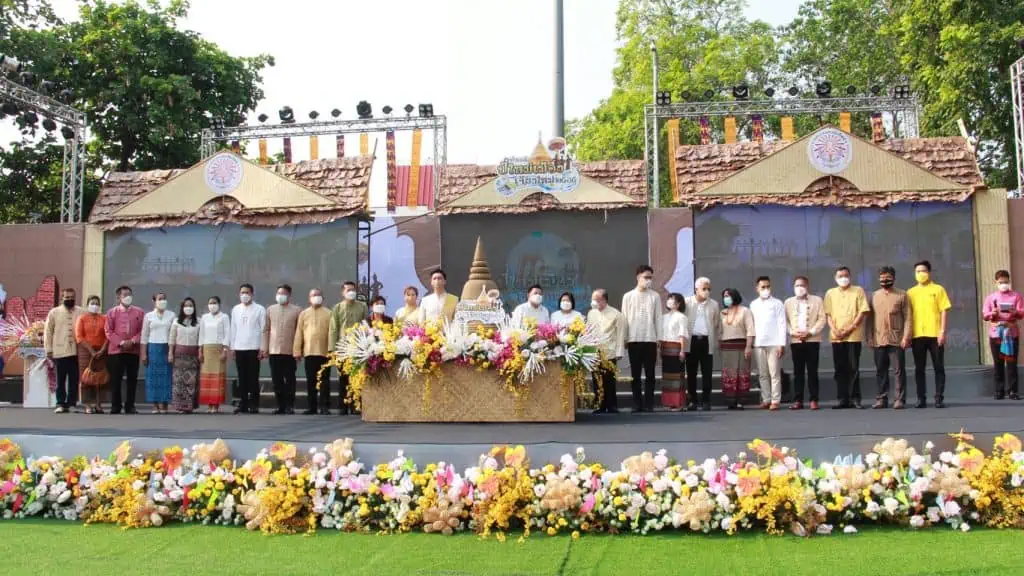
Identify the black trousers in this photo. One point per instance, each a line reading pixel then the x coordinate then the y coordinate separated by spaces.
pixel 127 366
pixel 805 369
pixel 606 379
pixel 312 366
pixel 67 380
pixel 922 348
pixel 343 391
pixel 699 357
pixel 896 358
pixel 282 372
pixel 1006 370
pixel 247 362
pixel 846 356
pixel 643 356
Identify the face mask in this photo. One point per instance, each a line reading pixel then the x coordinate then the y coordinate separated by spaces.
pixel 69 302
pixel 921 277
pixel 1004 287
pixel 213 308
pixel 245 298
pixel 161 305
pixel 536 299
pixel 765 294
pixel 843 281
pixel 595 304
pixel 188 310
pixel 94 308
pixel 379 308
pixel 727 301
pixel 646 282
pixel 800 291
pixel 566 305
pixel 316 300
pixel 671 304
pixel 350 295
pixel 126 300
pixel 886 283
pixel 282 299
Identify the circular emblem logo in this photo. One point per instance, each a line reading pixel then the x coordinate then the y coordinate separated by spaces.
pixel 223 173
pixel 830 151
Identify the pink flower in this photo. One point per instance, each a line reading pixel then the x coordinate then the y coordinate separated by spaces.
pixel 588 504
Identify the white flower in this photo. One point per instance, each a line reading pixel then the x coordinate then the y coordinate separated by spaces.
pixel 723 501
pixel 742 455
pixel 872 508
pixel 636 501
pixel 652 508
pixel 540 489
pixel 917 462
pixel 849 529
pixel 790 462
pixel 724 458
pixel 661 460
pixel 779 470
pixel 891 505
pixel 824 529
pixel 871 460
pixel 951 509
pixel 916 521
pixel 726 523
pixel 946 457
pixel 660 485
pixel 692 480
pixel 580 453
pixel 929 446
pixel 586 474
pixel 138 485
pixel 933 514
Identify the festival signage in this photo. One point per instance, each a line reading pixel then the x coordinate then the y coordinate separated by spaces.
pixel 542 172
pixel 830 151
pixel 223 173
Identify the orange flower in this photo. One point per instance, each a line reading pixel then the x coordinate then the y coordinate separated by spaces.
pixel 972 460
pixel 122 453
pixel 515 456
pixel 172 458
pixel 1006 443
pixel 260 470
pixel 761 448
pixel 283 451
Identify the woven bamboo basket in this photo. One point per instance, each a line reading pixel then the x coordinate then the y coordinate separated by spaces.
pixel 462 394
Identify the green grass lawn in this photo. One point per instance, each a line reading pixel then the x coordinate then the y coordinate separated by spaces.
pixel 51 547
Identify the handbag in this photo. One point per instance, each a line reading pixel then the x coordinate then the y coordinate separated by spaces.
pixel 93 376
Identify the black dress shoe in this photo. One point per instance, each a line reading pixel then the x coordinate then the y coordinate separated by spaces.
pixel 921 404
pixel 1013 396
pixel 706 406
pixel 289 411
pixel 940 404
pixel 1000 395
pixel 309 411
pixel 612 411
pixel 325 412
pixel 278 411
pixel 240 410
pixel 842 406
pixel 131 411
pixel 600 411
pixel 254 410
pixel 691 406
pixel 857 406
pixel 115 410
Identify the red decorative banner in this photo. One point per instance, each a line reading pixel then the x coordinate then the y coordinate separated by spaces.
pixel 705 130
pixel 877 129
pixel 389 139
pixel 340 143
pixel 236 146
pixel 287 150
pixel 757 128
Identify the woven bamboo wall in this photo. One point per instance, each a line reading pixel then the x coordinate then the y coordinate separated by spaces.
pixel 991 249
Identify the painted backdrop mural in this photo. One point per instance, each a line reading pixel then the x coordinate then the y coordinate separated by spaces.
pixel 671 240
pixel 403 252
pixel 735 245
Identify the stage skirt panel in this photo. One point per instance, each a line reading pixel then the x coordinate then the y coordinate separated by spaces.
pixel 735 368
pixel 158 374
pixel 212 376
pixel 673 393
pixel 186 377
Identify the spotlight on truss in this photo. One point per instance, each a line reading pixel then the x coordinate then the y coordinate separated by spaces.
pixel 49 125
pixel 1020 43
pixel 364 110
pixel 386 110
pixel 27 78
pixel 823 89
pixel 335 113
pixel 663 98
pixel 793 91
pixel 851 90
pixel 66 95
pixel 769 92
pixel 876 90
pixel 10 65
pixel 741 92
pixel 286 115
pixel 46 86
pixel 9 109
pixel 408 110
pixel 262 118
pixel 313 115
pixel 709 94
pixel 685 95
pixel 902 91
pixel 30 117
pixel 426 110
pixel 67 132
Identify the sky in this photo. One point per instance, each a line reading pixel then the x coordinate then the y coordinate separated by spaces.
pixel 485 64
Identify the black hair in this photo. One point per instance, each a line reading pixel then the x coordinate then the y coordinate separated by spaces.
pixel 181 312
pixel 762 279
pixel 680 301
pixel 887 270
pixel 378 298
pixel 603 293
pixel 535 287
pixel 927 265
pixel 414 289
pixel 572 299
pixel 348 283
pixel 733 293
pixel 644 268
pixel 439 271
pixel 215 299
pixel 804 278
pixel 121 289
pixel 286 288
pixel 91 298
pixel 842 269
pixel 1000 274
pixel 249 286
pixel 155 294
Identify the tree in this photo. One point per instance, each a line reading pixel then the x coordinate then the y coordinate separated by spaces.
pixel 702 45
pixel 30 181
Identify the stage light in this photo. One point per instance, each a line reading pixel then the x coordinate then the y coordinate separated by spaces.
pixel 386 110
pixel 46 86
pixel 335 113
pixel 313 115
pixel 793 91
pixel 426 110
pixel 685 95
pixel 408 110
pixel 1020 43
pixel 67 133
pixel 27 78
pixel 876 90
pixel 364 110
pixel 663 98
pixel 262 118
pixel 709 94
pixel 769 92
pixel 30 117
pixel 10 64
pixel 217 124
pixel 851 90
pixel 741 92
pixel 902 91
pixel 9 109
pixel 823 89
pixel 49 124
pixel 66 95
pixel 286 114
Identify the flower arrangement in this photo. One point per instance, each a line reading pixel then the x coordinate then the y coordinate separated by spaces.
pixel 282 490
pixel 18 332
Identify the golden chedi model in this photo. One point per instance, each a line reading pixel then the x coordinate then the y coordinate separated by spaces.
pixel 480 302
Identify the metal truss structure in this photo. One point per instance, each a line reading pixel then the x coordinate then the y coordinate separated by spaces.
pixel 907 109
pixel 73 168
pixel 437 124
pixel 1017 87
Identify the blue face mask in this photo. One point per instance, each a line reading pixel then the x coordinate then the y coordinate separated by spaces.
pixel 727 301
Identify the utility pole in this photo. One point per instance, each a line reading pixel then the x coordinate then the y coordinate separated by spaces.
pixel 559 131
pixel 655 184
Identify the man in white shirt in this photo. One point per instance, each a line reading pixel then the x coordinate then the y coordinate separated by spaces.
pixel 641 307
pixel 612 325
pixel 247 321
pixel 438 305
pixel 533 308
pixel 769 342
pixel 704 318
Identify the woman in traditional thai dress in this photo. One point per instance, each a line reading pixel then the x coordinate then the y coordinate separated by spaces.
pixel 214 338
pixel 673 352
pixel 408 313
pixel 156 332
pixel 735 342
pixel 92 345
pixel 184 357
pixel 566 313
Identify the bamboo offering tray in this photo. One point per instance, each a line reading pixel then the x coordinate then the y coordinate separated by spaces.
pixel 462 394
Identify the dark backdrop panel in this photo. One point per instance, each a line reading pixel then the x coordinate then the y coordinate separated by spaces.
pixel 562 251
pixel 735 245
pixel 204 261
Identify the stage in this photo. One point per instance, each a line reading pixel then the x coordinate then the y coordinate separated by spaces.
pixel 610 438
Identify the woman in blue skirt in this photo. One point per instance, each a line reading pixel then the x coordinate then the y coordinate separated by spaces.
pixel 156 330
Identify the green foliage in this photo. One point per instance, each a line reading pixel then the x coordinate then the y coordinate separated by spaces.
pixel 30 181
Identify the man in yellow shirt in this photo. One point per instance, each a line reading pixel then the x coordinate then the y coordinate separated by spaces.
pixel 929 305
pixel 846 306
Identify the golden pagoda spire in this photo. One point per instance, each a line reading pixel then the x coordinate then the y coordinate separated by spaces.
pixel 479 274
pixel 540 152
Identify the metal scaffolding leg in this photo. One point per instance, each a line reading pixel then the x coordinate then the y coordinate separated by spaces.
pixel 1017 87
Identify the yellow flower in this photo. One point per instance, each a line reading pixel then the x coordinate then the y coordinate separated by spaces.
pixel 552 531
pixel 562 523
pixel 622 517
pixel 617 501
pixel 575 535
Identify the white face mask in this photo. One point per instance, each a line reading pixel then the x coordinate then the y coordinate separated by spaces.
pixel 213 308
pixel 646 282
pixel 1004 287
pixel 595 304
pixel 282 298
pixel 843 281
pixel 126 300
pixel 245 298
pixel 536 299
pixel 350 295
pixel 316 300
pixel 765 294
pixel 94 308
pixel 379 308
pixel 565 305
pixel 671 304
pixel 188 310
pixel 800 291
pixel 161 305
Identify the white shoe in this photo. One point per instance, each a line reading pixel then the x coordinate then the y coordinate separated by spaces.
pixel 60 410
